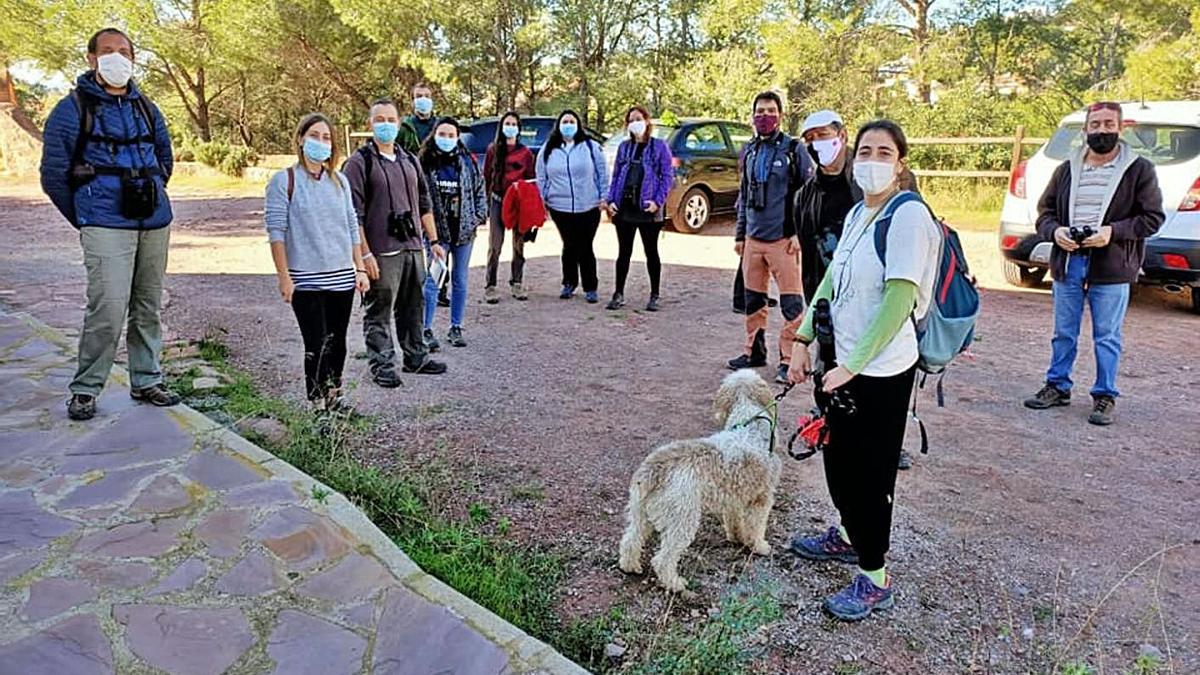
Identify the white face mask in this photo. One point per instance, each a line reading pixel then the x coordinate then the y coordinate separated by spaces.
pixel 827 149
pixel 114 69
pixel 637 127
pixel 874 177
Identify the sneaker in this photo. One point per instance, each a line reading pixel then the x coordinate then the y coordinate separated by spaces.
pixel 155 394
pixel 746 361
pixel 592 297
pixel 336 404
pixel 386 378
pixel 431 342
pixel 490 295
pixel 781 374
pixel 1103 409
pixel 427 367
pixel 856 601
pixel 617 302
pixel 1048 397
pixel 518 292
pixel 905 462
pixel 652 304
pixel 443 298
pixel 81 407
pixel 567 293
pixel 828 546
pixel 455 337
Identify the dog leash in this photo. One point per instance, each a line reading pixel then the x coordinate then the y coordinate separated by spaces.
pixel 769 413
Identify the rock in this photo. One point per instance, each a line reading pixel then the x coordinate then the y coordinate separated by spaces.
pixel 183 640
pixel 51 597
pixel 219 472
pixel 25 525
pixel 302 538
pixel 1027 633
pixel 614 651
pixel 407 626
pixel 164 495
pixel 1149 651
pixel 206 383
pixel 134 540
pixel 222 531
pixel 205 370
pixel 116 575
pixel 302 644
pixel 76 646
pixel 184 576
pixel 356 577
pixel 270 429
pixel 253 575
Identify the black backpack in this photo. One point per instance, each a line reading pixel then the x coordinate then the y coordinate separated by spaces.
pixel 79 172
pixel 368 154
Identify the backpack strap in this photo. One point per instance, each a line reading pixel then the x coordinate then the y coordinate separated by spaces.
pixel 884 223
pixel 86 107
pixel 368 163
pixel 291 182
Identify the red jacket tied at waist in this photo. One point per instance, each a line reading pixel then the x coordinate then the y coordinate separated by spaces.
pixel 522 209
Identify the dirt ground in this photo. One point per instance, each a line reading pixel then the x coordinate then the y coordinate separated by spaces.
pixel 1021 534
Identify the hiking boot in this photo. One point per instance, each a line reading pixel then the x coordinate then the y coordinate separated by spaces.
pixel 386 378
pixel 455 337
pixel 856 601
pixel 491 296
pixel 828 546
pixel 905 462
pixel 781 374
pixel 617 302
pixel 1048 397
pixel 567 293
pixel 155 394
pixel 427 367
pixel 431 342
pixel 652 304
pixel 81 407
pixel 747 361
pixel 1103 411
pixel 518 292
pixel 443 298
pixel 592 297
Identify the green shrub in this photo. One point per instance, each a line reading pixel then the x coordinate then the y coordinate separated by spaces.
pixel 228 159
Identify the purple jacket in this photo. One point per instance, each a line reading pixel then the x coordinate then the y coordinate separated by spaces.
pixel 658 174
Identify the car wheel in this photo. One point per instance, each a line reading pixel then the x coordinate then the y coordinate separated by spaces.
pixel 1196 299
pixel 694 211
pixel 1023 277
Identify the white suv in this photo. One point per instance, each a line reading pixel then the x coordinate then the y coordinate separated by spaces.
pixel 1168 134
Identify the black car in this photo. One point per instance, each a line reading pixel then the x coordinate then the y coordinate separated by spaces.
pixel 479 134
pixel 705 153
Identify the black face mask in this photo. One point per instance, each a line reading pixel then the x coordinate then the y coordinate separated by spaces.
pixel 1102 143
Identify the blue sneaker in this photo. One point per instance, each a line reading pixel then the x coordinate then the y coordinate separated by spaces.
pixel 828 546
pixel 567 292
pixel 856 601
pixel 592 297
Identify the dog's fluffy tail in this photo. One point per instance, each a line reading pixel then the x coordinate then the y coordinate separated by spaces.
pixel 637 528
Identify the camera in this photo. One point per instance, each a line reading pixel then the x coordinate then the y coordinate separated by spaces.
pixel 401 225
pixel 139 195
pixel 1079 233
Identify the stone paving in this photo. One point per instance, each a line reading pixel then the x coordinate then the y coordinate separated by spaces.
pixel 154 541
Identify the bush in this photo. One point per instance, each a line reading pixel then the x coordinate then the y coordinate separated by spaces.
pixel 228 159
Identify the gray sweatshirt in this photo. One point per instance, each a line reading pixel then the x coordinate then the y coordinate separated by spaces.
pixel 317 225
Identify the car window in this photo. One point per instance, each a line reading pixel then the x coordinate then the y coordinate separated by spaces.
pixel 661 132
pixel 705 138
pixel 739 135
pixel 533 134
pixel 1162 144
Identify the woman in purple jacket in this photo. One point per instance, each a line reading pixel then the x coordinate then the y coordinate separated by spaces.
pixel 642 177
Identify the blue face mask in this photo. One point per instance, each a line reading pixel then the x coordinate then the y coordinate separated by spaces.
pixel 510 131
pixel 316 150
pixel 445 144
pixel 568 129
pixel 423 105
pixel 385 132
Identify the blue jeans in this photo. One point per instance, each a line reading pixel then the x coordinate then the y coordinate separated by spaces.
pixel 1108 303
pixel 459 259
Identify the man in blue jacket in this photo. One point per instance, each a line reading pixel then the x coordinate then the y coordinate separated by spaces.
pixel 105 165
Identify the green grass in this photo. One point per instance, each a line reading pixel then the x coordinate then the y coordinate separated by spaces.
pixel 966 204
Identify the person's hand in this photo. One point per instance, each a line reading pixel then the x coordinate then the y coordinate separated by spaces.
pixel 1062 237
pixel 651 207
pixel 837 378
pixel 739 246
pixel 286 288
pixel 800 365
pixel 372 267
pixel 604 205
pixel 438 252
pixel 793 245
pixel 362 283
pixel 611 209
pixel 1100 239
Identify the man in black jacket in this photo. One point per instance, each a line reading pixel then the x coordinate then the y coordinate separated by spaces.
pixel 1098 209
pixel 823 202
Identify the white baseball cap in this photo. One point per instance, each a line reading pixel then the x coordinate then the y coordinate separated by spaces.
pixel 821 118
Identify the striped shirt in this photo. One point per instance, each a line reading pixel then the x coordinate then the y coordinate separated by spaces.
pixel 1094 186
pixel 337 280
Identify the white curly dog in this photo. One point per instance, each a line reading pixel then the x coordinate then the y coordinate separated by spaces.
pixel 732 473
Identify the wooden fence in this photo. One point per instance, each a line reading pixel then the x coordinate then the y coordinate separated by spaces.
pixel 1018 141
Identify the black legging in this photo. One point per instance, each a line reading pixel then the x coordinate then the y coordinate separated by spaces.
pixel 324 317
pixel 861 461
pixel 578 260
pixel 625 233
